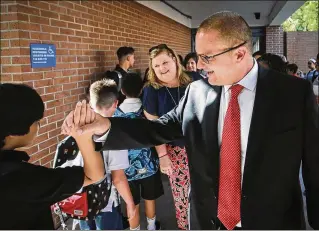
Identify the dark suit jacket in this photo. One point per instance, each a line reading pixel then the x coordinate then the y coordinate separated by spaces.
pixel 283 132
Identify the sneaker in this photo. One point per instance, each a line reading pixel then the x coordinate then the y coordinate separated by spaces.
pixel 157 225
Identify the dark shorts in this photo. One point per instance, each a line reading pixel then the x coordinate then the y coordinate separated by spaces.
pixel 149 188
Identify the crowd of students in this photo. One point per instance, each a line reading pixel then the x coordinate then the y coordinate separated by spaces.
pixel 30 190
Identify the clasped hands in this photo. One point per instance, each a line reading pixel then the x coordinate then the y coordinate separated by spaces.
pixel 83 120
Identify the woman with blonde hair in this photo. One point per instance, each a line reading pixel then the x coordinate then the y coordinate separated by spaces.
pixel 166 85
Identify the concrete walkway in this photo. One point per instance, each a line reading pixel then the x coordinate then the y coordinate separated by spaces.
pixel 165 211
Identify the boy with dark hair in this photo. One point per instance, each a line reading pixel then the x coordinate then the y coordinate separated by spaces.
pixel 143 175
pixel 126 60
pixel 292 69
pixel 103 100
pixel 27 190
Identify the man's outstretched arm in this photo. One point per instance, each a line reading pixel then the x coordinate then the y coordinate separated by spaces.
pixel 123 133
pixel 138 133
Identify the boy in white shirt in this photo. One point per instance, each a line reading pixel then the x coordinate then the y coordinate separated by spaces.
pixel 103 100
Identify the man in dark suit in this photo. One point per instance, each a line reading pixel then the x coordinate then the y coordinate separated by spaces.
pixel 247 129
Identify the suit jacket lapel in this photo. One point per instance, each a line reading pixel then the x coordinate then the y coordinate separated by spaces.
pixel 211 132
pixel 258 126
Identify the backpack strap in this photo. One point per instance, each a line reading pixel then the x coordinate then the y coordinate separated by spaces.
pixel 119 75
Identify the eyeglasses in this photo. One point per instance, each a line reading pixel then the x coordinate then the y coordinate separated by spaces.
pixel 207 59
pixel 161 46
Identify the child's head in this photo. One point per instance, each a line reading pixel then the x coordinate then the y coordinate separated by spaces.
pixel 103 97
pixel 20 112
pixel 132 85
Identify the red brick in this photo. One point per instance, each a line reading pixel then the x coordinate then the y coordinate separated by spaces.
pixel 9 34
pixel 47 128
pixel 55 118
pixel 47 98
pixel 52 104
pixel 35 157
pixel 43 83
pixel 81 21
pixel 9 17
pixel 70 99
pixel 29 26
pixel 58 9
pixel 66 4
pixel 53 89
pixel 63 108
pixel 49 14
pixel 74 26
pixel 80 8
pixel 81 33
pixel 38 4
pixel 28 10
pixel 5 60
pixel 78 91
pixel 69 72
pixel 32 149
pixel 6 78
pixel 23 17
pixel 55 37
pixel 57 23
pixel 40 20
pixel 20 60
pixel 66 31
pixel 66 18
pixel 24 34
pixel 45 161
pixel 54 133
pixel 41 138
pixel 61 95
pixel 11 69
pixel 74 39
pixel 27 76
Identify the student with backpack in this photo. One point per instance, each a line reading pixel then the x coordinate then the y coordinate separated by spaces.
pixel 103 100
pixel 28 190
pixel 143 173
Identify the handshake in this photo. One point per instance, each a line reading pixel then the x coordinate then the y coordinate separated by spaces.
pixel 83 120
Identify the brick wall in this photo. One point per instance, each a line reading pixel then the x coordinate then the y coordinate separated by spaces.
pixel 301 46
pixel 87 35
pixel 275 40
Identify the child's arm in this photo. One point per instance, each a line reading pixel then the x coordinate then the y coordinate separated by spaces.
pixel 93 161
pixel 121 184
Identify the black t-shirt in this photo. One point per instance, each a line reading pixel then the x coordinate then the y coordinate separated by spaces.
pixel 27 191
pixel 113 75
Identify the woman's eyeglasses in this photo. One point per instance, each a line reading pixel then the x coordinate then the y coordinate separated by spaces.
pixel 161 46
pixel 207 59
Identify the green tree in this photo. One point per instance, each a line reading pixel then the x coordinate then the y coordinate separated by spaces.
pixel 304 19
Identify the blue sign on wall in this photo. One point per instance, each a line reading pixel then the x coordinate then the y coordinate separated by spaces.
pixel 42 55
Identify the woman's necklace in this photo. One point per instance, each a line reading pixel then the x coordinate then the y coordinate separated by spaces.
pixel 178 96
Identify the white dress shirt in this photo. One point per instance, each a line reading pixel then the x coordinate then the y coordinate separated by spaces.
pixel 246 101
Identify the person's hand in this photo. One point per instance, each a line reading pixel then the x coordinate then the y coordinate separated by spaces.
pixel 99 126
pixel 82 115
pixel 131 211
pixel 166 165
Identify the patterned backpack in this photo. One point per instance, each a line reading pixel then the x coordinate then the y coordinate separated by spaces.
pixel 143 162
pixel 87 204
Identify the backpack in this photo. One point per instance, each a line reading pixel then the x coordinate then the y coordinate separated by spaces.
pixel 143 162
pixel 88 203
pixel 117 77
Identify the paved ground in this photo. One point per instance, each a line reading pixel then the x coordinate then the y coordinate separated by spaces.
pixel 165 211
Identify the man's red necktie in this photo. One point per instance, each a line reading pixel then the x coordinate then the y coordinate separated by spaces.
pixel 230 164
